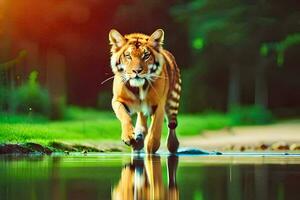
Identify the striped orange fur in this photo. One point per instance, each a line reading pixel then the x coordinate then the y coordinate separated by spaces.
pixel 147 82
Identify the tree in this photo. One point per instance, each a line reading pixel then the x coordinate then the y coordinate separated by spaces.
pixel 233 32
pixel 216 25
pixel 270 52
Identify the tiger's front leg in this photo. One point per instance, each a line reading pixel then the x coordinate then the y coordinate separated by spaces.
pixel 140 130
pixel 152 140
pixel 128 136
pixel 126 122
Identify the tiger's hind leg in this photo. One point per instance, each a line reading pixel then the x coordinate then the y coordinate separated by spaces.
pixel 172 111
pixel 172 140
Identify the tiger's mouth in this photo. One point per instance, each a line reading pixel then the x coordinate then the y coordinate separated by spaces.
pixel 137 81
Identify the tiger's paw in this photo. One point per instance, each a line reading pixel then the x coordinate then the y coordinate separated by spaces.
pixel 128 139
pixel 129 142
pixel 172 141
pixel 127 135
pixel 139 142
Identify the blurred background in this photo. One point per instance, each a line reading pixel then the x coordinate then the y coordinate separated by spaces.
pixel 238 57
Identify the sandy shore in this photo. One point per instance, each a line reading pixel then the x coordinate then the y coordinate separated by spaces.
pixel 248 136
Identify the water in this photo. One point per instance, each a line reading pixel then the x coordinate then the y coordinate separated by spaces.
pixel 123 176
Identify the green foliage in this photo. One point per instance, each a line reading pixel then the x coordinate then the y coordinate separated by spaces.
pixel 264 50
pixel 282 46
pixel 104 100
pixel 212 21
pixel 198 195
pixel 31 97
pixel 251 115
pixel 198 43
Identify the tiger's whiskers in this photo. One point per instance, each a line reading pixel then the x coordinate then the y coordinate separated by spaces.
pixel 157 76
pixel 107 79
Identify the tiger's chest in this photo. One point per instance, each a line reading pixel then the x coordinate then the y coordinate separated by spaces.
pixel 141 106
pixel 140 101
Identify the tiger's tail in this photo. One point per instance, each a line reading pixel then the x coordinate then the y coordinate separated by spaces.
pixel 172 104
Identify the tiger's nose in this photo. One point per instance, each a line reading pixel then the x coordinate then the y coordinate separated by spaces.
pixel 137 71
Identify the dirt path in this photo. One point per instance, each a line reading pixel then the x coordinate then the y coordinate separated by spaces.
pixel 248 137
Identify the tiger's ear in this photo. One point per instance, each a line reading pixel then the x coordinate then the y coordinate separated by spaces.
pixel 157 38
pixel 116 39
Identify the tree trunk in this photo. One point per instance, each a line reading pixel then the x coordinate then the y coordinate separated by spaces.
pixel 234 86
pixel 261 90
pixel 56 83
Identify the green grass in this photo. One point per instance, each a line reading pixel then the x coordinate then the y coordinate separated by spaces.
pixel 79 125
pixel 197 123
pixel 88 124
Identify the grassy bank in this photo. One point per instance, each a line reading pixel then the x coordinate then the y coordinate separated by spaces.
pixel 90 125
pixel 79 125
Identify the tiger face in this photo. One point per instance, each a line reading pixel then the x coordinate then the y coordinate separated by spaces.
pixel 137 62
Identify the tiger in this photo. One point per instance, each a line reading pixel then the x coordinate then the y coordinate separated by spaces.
pixel 146 82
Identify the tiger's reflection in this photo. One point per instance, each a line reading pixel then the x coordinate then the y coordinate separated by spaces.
pixel 142 179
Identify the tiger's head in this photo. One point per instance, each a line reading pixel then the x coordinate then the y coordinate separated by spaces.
pixel 136 57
